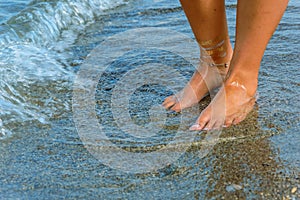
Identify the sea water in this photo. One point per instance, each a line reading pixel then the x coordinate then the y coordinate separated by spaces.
pixel 43 46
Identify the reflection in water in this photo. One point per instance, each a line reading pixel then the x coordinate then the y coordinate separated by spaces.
pixel 244 165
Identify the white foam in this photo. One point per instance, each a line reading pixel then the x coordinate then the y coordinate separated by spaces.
pixel 42 22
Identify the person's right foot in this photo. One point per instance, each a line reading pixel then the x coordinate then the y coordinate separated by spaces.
pixel 205 79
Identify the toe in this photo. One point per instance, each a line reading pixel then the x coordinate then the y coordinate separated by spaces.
pixel 218 125
pixel 198 126
pixel 176 107
pixel 169 102
pixel 203 120
pixel 195 127
pixel 238 120
pixel 169 105
pixel 209 126
pixel 169 98
pixel 228 122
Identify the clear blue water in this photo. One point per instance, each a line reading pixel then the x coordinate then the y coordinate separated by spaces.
pixel 43 45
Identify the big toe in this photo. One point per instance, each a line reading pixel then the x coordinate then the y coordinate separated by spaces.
pixel 201 123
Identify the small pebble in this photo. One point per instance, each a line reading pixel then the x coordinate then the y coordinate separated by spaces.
pixel 294 190
pixel 233 187
pixel 237 187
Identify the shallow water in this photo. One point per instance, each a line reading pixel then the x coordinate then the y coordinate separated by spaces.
pixel 44 46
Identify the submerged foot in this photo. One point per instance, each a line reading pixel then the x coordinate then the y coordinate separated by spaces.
pixel 209 75
pixel 229 107
pixel 205 79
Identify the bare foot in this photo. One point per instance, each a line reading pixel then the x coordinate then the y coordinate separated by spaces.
pixel 230 106
pixel 205 79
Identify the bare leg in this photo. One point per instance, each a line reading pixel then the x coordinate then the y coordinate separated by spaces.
pixel 208 22
pixel 256 22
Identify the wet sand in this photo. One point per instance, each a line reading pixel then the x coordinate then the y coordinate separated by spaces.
pixel 257 159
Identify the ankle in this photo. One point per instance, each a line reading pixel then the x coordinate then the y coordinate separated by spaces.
pixel 219 53
pixel 247 82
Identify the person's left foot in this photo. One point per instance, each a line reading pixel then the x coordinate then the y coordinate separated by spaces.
pixel 229 107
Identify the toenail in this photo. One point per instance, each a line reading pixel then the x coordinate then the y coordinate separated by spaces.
pixel 206 129
pixel 195 127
